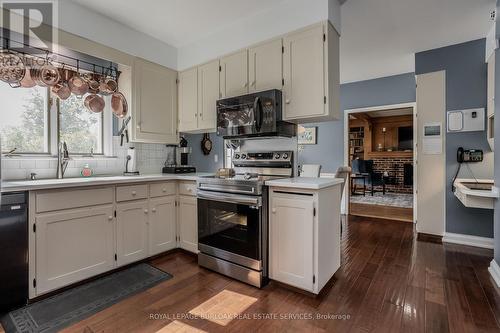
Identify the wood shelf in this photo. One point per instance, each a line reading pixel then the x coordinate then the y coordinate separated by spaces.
pixel 392 154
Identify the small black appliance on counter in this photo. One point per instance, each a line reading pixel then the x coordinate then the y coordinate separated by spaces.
pixel 178 158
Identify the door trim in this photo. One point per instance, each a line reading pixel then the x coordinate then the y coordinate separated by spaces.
pixel 346 197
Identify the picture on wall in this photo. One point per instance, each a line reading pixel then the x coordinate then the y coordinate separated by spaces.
pixel 307 136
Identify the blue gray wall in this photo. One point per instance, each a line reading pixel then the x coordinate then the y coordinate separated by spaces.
pixel 497 157
pixel 329 152
pixel 466 80
pixel 205 163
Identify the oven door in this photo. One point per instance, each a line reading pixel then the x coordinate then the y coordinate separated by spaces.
pixel 230 226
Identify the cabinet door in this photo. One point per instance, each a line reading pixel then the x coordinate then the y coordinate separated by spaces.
pixel 234 74
pixel 304 74
pixel 208 94
pixel 155 97
pixel 265 63
pixel 188 223
pixel 292 240
pixel 188 100
pixel 131 231
pixel 162 224
pixel 73 245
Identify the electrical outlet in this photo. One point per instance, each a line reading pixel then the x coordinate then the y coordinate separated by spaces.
pixel 216 158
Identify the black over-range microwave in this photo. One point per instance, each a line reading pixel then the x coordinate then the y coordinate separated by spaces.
pixel 253 115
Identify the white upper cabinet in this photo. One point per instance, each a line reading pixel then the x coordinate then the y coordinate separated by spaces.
pixel 311 74
pixel 208 94
pixel 154 111
pixel 234 74
pixel 265 66
pixel 198 92
pixel 188 100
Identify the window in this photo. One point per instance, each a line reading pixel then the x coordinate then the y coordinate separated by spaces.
pixel 30 124
pixel 81 129
pixel 24 123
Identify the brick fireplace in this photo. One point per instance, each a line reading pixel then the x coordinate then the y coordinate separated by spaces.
pixel 395 168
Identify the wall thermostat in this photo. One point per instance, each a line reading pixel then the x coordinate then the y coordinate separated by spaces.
pixel 465 120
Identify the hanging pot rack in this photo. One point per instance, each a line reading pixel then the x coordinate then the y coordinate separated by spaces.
pixel 110 70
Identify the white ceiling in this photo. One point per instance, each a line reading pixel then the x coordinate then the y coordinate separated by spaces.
pixel 177 22
pixel 379 37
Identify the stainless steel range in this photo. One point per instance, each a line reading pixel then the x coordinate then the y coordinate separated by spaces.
pixel 233 216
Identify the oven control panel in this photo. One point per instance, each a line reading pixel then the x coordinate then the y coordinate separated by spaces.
pixel 262 158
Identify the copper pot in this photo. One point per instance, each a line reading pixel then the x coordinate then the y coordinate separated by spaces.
pixel 12 68
pixel 119 105
pixel 62 90
pixel 94 103
pixel 78 85
pixel 27 81
pixel 108 86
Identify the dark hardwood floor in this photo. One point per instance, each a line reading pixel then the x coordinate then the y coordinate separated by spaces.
pixel 388 282
pixel 382 212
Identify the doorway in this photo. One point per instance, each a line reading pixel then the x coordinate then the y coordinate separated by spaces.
pixel 380 149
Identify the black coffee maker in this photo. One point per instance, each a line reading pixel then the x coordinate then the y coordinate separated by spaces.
pixel 181 162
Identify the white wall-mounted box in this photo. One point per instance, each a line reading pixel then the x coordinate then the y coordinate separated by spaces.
pixel 465 120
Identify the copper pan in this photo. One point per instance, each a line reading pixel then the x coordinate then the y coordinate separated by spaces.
pixel 78 85
pixel 94 103
pixel 119 105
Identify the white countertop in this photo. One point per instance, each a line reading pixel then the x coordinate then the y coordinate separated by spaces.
pixel 44 184
pixel 493 193
pixel 305 183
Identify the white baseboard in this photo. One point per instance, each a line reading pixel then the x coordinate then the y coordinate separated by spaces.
pixel 494 270
pixel 469 240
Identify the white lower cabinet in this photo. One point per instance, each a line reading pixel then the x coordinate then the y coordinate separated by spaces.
pixel 304 236
pixel 73 245
pixel 162 231
pixel 131 231
pixel 291 240
pixel 187 216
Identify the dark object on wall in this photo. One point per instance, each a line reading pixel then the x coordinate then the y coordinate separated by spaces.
pixel 408 174
pixel 206 144
pixel 405 138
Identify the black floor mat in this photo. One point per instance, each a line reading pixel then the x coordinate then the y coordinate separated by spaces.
pixel 71 306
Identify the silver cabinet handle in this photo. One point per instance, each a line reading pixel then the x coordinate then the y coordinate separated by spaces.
pixel 153 210
pixel 110 217
pixel 245 85
pixel 134 193
pixel 164 190
pixel 252 83
pixel 146 211
pixel 287 101
pixel 274 210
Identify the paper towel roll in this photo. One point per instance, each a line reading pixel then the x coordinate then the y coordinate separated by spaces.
pixel 132 163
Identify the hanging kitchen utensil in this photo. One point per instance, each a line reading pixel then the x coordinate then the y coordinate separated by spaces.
pixel 12 68
pixel 61 89
pixel 206 144
pixel 77 83
pixel 119 105
pixel 124 130
pixel 27 81
pixel 94 103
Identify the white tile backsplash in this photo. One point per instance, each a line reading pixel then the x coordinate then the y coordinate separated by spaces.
pixel 150 159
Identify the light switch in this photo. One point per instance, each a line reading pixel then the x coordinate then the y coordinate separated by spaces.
pixel 216 158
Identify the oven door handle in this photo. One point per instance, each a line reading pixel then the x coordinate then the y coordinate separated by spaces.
pixel 230 198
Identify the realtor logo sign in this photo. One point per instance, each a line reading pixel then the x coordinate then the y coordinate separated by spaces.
pixel 29 23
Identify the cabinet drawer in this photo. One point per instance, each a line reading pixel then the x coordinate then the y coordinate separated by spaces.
pixel 187 188
pixel 161 189
pixel 133 192
pixel 48 201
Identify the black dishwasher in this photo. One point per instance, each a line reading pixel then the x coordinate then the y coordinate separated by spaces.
pixel 13 251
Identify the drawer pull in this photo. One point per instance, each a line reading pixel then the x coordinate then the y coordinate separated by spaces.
pixel 164 190
pixel 110 218
pixel 153 210
pixel 145 211
pixel 134 193
pixel 274 210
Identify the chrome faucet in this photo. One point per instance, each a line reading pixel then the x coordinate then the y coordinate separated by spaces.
pixel 62 160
